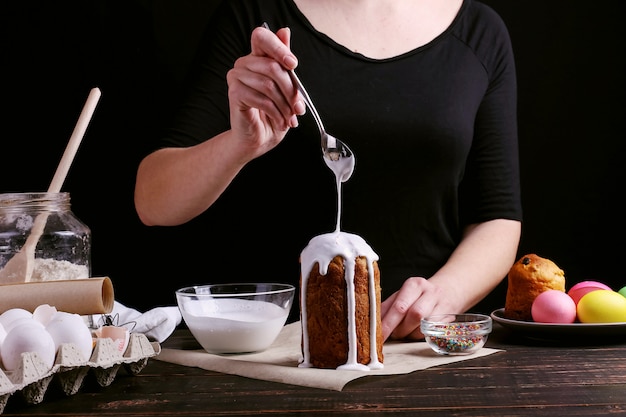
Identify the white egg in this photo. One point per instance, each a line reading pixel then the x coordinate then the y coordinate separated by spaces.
pixel 3 334
pixel 20 321
pixel 44 313
pixel 13 314
pixel 71 328
pixel 27 337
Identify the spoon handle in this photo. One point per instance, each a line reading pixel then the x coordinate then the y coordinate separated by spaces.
pixel 308 101
pixel 74 142
pixel 307 98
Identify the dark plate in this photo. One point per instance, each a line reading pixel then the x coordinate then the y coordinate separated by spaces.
pixel 554 331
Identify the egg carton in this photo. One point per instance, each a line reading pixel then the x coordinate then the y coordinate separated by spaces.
pixel 32 378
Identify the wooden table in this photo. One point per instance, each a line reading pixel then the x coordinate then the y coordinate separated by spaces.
pixel 529 379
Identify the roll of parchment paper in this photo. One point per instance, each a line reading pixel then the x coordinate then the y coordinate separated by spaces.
pixel 80 296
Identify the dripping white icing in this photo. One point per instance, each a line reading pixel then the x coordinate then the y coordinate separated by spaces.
pixel 342 167
pixel 321 250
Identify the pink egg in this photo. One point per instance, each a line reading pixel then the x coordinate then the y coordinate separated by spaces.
pixel 553 306
pixel 582 288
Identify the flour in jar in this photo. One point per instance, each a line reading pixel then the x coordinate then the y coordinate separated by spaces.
pixel 47 269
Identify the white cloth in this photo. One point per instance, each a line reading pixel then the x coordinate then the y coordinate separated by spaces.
pixel 157 324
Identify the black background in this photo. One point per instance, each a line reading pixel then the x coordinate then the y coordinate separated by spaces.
pixel 570 60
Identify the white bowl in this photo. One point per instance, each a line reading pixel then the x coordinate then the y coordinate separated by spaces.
pixel 235 318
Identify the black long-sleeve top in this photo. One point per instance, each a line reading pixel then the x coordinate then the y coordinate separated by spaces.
pixel 434 131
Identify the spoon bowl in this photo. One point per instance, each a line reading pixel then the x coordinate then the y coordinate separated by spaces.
pixel 338 157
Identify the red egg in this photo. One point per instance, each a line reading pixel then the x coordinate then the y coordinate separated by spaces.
pixel 553 306
pixel 584 287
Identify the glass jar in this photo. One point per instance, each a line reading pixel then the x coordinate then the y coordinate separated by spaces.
pixel 63 249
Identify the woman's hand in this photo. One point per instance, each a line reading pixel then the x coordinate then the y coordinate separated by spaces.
pixel 403 310
pixel 264 103
pixel 175 185
pixel 478 264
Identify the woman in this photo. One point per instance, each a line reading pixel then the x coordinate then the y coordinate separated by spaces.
pixel 423 92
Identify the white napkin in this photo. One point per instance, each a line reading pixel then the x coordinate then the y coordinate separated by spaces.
pixel 157 324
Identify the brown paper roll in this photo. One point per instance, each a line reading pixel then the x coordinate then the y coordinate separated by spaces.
pixel 79 296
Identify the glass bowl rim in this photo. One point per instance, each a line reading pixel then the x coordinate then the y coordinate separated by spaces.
pixel 279 288
pixel 474 318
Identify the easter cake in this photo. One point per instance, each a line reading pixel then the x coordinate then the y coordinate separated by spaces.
pixel 340 304
pixel 528 277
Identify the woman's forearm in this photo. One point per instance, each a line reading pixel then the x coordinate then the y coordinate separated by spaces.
pixel 480 262
pixel 174 185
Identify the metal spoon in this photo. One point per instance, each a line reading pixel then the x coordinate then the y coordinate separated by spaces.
pixel 336 154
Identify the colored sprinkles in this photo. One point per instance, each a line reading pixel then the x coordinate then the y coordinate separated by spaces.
pixel 457 337
pixel 456 334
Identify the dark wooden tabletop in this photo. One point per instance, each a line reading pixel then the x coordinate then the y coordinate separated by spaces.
pixel 530 378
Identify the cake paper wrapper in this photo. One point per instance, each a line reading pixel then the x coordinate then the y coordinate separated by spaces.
pixel 79 296
pixel 279 363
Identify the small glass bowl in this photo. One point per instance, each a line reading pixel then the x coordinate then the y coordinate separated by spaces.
pixel 456 334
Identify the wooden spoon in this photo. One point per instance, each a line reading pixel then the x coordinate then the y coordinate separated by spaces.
pixel 20 266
